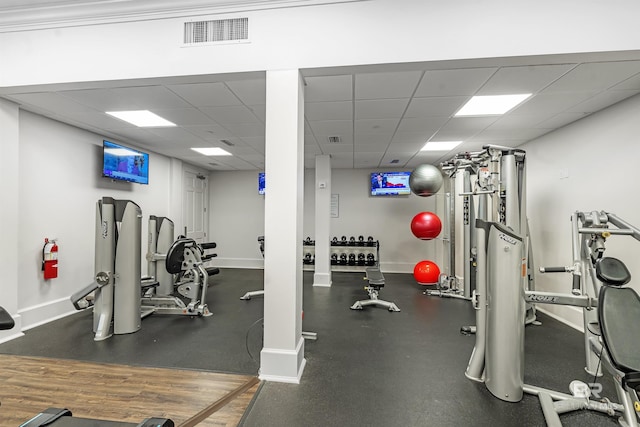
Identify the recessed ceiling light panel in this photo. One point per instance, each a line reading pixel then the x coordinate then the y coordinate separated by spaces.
pixel 491 105
pixel 141 118
pixel 211 151
pixel 440 145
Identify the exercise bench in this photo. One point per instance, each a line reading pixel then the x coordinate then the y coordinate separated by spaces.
pixel 376 282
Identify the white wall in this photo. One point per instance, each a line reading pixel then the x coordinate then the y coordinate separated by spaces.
pixel 368 32
pixel 600 155
pixel 237 218
pixel 60 181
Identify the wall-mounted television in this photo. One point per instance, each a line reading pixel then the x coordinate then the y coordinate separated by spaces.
pixel 390 183
pixel 124 163
pixel 261 184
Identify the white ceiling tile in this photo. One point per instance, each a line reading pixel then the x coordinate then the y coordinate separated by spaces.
pixel 230 114
pixel 328 88
pixel 386 85
pixel 461 82
pixel 336 148
pixel 632 83
pixel 407 147
pixel 514 134
pixel 380 108
pixel 367 160
pixel 424 124
pixel 442 106
pixel 529 79
pixel 461 128
pixel 594 76
pixel 102 100
pixel 339 110
pixel 186 117
pixel 176 135
pixel 151 97
pixel 206 94
pixel 100 120
pixel 560 120
pixel 52 102
pixel 518 121
pixel 331 127
pixel 374 138
pixel 242 130
pixel 550 103
pixel 209 132
pixel 411 137
pixel 250 92
pixel 376 125
pixel 402 158
pixel 260 111
pixel 342 161
pixel 601 101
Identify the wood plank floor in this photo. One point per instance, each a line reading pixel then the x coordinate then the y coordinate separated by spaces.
pixel 117 392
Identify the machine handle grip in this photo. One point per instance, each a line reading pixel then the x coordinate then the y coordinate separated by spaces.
pixel 575 288
pixel 208 257
pixel 210 245
pixel 553 269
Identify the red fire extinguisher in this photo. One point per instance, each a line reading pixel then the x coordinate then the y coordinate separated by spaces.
pixel 50 259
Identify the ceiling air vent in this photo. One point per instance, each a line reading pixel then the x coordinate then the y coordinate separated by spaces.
pixel 213 164
pixel 334 140
pixel 227 142
pixel 394 161
pixel 219 30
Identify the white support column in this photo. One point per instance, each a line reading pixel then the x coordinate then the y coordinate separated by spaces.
pixel 176 191
pixel 282 357
pixel 322 275
pixel 9 173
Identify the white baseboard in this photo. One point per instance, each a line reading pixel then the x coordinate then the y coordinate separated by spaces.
pixel 284 366
pixel 40 314
pixel 252 263
pixel 574 317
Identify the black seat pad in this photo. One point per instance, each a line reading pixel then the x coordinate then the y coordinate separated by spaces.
pixel 6 321
pixel 612 271
pixel 619 314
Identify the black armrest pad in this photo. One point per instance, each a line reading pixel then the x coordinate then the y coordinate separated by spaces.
pixel 6 321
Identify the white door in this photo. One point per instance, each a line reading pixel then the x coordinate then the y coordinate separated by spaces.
pixel 195 206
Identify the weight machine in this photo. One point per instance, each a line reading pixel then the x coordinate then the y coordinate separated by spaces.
pixel 178 268
pixel 59 417
pixel 118 287
pixel 597 283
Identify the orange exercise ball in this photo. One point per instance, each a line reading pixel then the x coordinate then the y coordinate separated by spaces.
pixel 426 272
pixel 426 225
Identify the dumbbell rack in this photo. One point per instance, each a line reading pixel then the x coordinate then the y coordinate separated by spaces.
pixel 346 255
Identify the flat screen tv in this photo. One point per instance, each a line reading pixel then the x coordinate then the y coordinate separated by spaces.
pixel 124 163
pixel 261 185
pixel 390 183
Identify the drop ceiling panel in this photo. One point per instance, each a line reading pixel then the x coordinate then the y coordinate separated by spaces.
pixel 338 110
pixel 594 76
pixel 402 157
pixel 428 158
pixel 380 108
pixel 336 148
pixel 209 132
pixel 530 79
pixel 465 82
pixel 328 88
pixel 411 137
pixel 468 124
pixel 428 125
pixel 230 115
pixel 551 103
pixel 376 125
pixel 505 135
pixel 100 120
pixel 363 160
pixel 435 106
pixel 519 121
pixel 102 100
pixel 260 111
pixel 386 85
pixel 243 130
pixel 377 139
pixel 51 101
pixel 601 101
pixel 632 83
pixel 176 135
pixel 560 120
pixel 186 117
pixel 250 92
pixel 331 127
pixel 151 97
pixel 342 160
pixel 206 94
pixel 344 138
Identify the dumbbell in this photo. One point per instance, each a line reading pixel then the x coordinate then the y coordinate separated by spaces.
pixel 343 241
pixel 361 258
pixel 334 241
pixel 371 259
pixel 307 258
pixel 352 241
pixel 352 259
pixel 343 259
pixel 360 240
pixel 334 259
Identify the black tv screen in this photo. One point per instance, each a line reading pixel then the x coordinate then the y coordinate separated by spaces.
pixel 124 163
pixel 390 183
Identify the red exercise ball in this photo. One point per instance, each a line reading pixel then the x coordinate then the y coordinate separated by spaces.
pixel 426 225
pixel 426 272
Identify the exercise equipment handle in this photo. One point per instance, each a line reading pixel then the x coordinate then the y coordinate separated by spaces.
pixel 210 245
pixel 208 256
pixel 575 287
pixel 554 269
